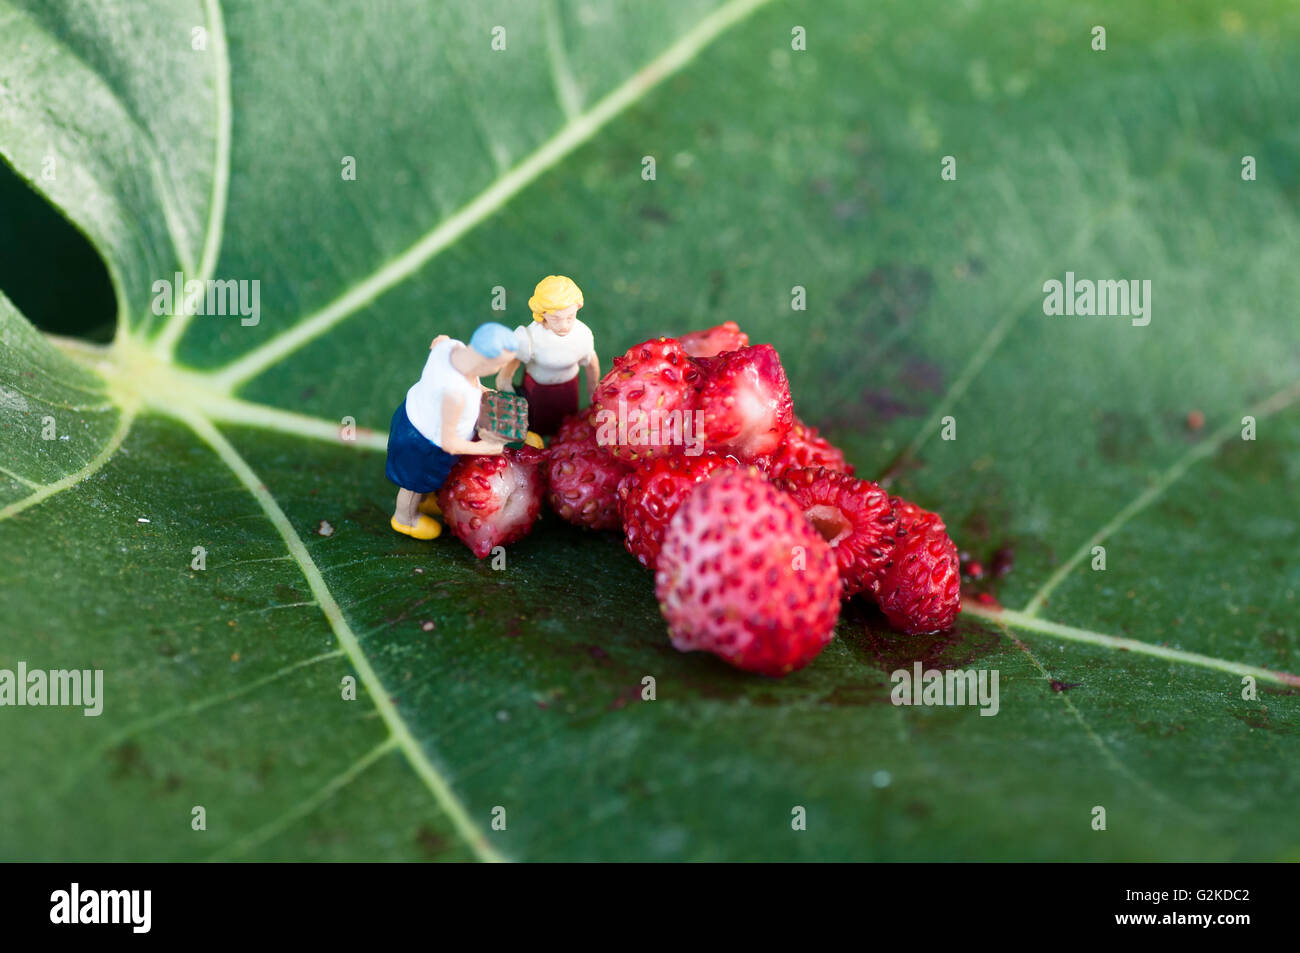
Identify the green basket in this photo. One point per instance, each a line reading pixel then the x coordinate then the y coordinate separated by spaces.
pixel 505 415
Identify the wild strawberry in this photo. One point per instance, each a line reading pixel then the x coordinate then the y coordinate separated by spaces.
pixel 649 496
pixel 853 516
pixel 643 400
pixel 576 427
pixel 743 575
pixel 904 519
pixel 491 501
pixel 745 401
pixel 715 340
pixel 582 484
pixel 921 589
pixel 803 448
pixel 911 517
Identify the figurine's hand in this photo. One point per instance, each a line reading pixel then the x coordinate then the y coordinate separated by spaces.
pixel 488 444
pixel 506 378
pixel 438 340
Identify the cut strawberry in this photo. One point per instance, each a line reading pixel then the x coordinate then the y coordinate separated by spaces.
pixel 854 516
pixel 493 500
pixel 745 402
pixel 715 340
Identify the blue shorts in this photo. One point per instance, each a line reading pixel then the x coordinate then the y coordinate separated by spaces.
pixel 415 462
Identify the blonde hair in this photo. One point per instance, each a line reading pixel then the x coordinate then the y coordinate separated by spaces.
pixel 553 293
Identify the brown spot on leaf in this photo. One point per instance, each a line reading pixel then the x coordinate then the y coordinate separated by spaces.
pixel 625 697
pixel 430 842
pixel 126 761
pixel 1004 560
pixel 922 375
pixel 287 594
pixel 888 296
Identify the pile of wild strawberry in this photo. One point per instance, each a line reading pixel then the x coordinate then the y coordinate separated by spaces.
pixel 755 540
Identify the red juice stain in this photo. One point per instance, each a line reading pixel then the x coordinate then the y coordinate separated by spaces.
pixel 1004 560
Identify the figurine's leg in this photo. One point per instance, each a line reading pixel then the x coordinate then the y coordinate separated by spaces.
pixel 408 507
pixel 408 519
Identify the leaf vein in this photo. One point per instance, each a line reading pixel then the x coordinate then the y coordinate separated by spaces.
pixel 566 87
pixel 1205 448
pixel 401 732
pixel 165 343
pixel 307 804
pixel 1071 633
pixel 447 232
pixel 180 711
pixel 72 479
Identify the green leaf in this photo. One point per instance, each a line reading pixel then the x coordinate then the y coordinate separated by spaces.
pixel 209 138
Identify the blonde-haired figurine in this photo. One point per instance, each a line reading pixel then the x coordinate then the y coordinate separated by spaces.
pixel 551 350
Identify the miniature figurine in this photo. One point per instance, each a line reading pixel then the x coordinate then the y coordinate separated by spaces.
pixel 551 350
pixel 437 422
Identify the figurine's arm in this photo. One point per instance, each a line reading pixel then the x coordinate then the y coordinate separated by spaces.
pixel 451 408
pixel 506 377
pixel 592 363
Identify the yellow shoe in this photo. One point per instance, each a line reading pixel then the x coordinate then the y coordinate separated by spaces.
pixel 534 440
pixel 429 505
pixel 426 528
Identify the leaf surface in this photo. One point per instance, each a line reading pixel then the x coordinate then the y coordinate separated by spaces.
pixel 520 689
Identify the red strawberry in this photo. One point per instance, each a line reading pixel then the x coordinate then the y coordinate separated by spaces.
pixel 640 408
pixel 853 516
pixel 905 518
pixel 911 517
pixel 921 589
pixel 649 496
pixel 743 575
pixel 803 447
pixel 582 484
pixel 576 427
pixel 745 400
pixel 493 500
pixel 715 340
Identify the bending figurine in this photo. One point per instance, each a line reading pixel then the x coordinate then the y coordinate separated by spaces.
pixel 436 423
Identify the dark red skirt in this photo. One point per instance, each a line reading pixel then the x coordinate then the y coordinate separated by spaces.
pixel 549 404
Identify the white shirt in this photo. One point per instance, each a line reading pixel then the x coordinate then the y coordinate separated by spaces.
pixel 549 358
pixel 438 382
